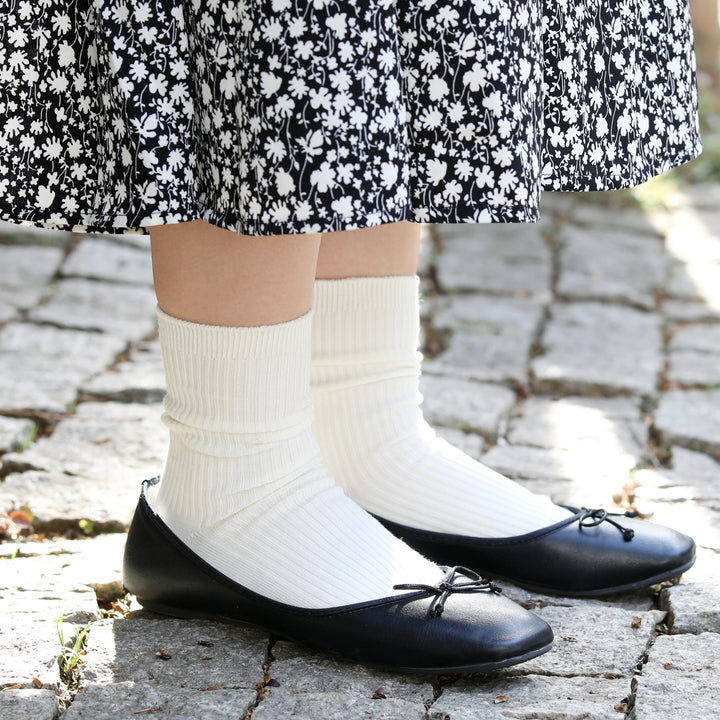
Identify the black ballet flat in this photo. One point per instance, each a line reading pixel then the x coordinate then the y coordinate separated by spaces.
pixel 463 624
pixel 592 553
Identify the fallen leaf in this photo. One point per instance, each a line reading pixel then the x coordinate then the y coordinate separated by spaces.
pixel 622 707
pixel 532 604
pixel 205 643
pixel 381 694
pixel 568 638
pixel 37 683
pixel 669 665
pixel 154 708
pixel 500 699
pixel 163 654
pixel 212 687
pixel 636 622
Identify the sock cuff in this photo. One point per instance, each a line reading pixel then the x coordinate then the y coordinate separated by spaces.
pixel 218 341
pixel 364 293
pixel 366 316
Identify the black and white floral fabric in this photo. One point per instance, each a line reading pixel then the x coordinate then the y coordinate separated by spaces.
pixel 282 116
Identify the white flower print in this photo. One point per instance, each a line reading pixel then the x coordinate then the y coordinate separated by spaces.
pixel 282 117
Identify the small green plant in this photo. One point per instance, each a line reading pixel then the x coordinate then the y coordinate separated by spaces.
pixel 70 657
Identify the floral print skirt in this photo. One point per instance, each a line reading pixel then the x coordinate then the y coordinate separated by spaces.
pixel 284 116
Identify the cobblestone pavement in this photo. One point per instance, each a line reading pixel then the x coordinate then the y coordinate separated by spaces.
pixel 580 355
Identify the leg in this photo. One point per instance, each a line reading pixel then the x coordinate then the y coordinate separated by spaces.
pixel 368 421
pixel 244 481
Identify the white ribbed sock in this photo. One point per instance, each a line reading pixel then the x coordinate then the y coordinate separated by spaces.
pixel 365 373
pixel 244 485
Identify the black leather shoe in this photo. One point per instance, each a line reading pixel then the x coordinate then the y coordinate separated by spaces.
pixel 461 625
pixel 590 554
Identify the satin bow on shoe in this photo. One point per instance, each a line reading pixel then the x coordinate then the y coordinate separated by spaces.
pixel 448 585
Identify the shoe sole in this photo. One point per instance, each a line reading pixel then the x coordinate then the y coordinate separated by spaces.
pixel 602 592
pixel 186 614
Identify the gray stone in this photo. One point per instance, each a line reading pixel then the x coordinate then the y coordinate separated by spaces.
pixel 632 221
pixel 591 347
pixel 566 476
pixel 533 696
pixel 127 651
pixel 508 260
pixel 23 266
pixel 25 272
pixel 41 367
pixel 30 647
pixel 469 443
pixel 79 570
pixel 75 473
pixel 693 476
pixel 701 195
pixel 466 405
pixel 612 425
pixel 335 706
pixel 611 266
pixel 127 311
pixel 697 281
pixel 693 606
pixel 695 355
pixel 25 234
pixel 578 652
pixel 690 311
pixel 557 203
pixel 487 358
pixel 690 418
pixel 102 259
pixel 28 705
pixel 491 337
pixel 130 701
pixel 681 679
pixel 698 520
pixel 694 235
pixel 141 378
pixel 300 671
pixel 15 432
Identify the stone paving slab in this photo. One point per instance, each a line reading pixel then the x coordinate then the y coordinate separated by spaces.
pixel 693 476
pixel 624 636
pixel 14 433
pixel 505 260
pixel 591 347
pixel 691 311
pixel 693 235
pixel 613 425
pixel 693 606
pixel 695 355
pixel 24 276
pixel 130 701
pixel 102 259
pixel 466 405
pixel 220 655
pixel 681 679
pixel 531 697
pixel 631 220
pixel 41 367
pixel 75 474
pixel 491 337
pixel 122 310
pixel 621 266
pixel 336 706
pixel 141 378
pixel 690 418
pixel 20 234
pixel 697 281
pixel 568 477
pixel 28 705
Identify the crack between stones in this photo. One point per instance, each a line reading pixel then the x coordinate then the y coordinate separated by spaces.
pixel 262 687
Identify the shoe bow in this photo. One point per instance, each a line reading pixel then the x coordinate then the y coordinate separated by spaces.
pixel 449 585
pixel 592 518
